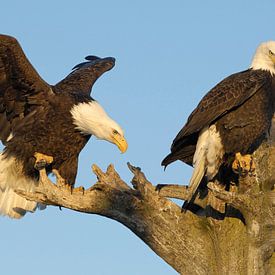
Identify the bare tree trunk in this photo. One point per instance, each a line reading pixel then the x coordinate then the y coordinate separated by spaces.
pixel 240 242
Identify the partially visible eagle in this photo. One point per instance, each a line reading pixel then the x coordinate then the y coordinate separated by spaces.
pixel 232 118
pixel 56 121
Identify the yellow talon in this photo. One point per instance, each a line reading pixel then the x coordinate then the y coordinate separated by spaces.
pixel 42 161
pixel 243 164
pixel 39 157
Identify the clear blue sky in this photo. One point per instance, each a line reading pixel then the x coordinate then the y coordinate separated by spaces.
pixel 169 54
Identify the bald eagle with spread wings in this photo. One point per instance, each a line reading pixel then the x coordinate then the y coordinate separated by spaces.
pixel 231 120
pixel 38 119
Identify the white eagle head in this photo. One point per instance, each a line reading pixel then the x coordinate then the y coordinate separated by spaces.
pixel 264 57
pixel 91 119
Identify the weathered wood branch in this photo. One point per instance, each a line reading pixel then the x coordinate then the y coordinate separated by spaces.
pixel 174 191
pixel 156 220
pixel 187 242
pixel 239 241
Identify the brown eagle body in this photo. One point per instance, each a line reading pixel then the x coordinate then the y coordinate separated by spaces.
pixel 233 117
pixel 54 135
pixel 240 106
pixel 53 120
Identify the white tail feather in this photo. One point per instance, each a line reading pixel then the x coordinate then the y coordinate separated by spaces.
pixel 207 158
pixel 199 163
pixel 11 178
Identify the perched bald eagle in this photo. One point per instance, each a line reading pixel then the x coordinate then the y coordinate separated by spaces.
pixel 232 118
pixel 56 121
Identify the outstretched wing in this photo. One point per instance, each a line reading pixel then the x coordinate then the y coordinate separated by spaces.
pixel 85 74
pixel 21 87
pixel 223 98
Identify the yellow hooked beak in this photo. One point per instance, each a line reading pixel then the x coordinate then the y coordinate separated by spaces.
pixel 120 142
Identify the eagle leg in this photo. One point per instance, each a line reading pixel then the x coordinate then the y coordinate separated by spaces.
pixel 243 165
pixel 60 182
pixel 42 160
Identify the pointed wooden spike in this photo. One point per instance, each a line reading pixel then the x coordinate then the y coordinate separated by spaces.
pixel 97 171
pixel 133 169
pixel 110 168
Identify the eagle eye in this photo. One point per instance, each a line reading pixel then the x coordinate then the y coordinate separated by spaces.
pixel 271 53
pixel 115 132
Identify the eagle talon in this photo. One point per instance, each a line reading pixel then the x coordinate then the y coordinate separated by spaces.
pixel 69 187
pixel 42 161
pixel 243 165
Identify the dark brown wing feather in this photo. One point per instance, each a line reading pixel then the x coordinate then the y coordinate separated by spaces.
pixel 85 74
pixel 230 93
pixel 21 87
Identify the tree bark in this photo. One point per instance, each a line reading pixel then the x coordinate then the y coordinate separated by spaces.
pixel 242 241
